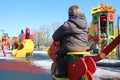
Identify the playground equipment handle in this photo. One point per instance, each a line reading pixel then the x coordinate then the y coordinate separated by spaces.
pixel 107 50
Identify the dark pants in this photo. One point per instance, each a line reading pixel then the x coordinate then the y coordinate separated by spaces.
pixel 27 35
pixel 61 57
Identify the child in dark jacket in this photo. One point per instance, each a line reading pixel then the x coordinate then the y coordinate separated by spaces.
pixel 73 36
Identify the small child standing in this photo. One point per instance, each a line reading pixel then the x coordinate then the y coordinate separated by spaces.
pixel 4 48
pixel 27 33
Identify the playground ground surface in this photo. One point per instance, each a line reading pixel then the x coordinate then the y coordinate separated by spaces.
pixel 37 67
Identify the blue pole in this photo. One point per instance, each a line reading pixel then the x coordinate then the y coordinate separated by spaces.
pixel 118 34
pixel 118 25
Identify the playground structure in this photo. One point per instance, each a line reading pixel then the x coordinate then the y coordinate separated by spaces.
pixel 23 49
pixel 102 30
pixel 81 65
pixel 23 46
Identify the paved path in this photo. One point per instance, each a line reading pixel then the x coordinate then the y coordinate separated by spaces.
pixel 26 69
pixel 22 69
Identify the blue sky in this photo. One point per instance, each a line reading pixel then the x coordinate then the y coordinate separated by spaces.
pixel 18 14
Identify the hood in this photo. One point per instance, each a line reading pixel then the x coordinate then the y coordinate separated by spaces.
pixel 80 20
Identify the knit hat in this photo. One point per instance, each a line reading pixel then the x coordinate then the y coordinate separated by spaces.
pixel 73 10
pixel 4 39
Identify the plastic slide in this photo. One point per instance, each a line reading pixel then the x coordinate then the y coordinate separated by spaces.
pixel 25 48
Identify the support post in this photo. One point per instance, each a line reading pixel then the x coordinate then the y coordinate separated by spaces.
pixel 118 34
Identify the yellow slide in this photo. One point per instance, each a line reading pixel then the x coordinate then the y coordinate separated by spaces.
pixel 25 48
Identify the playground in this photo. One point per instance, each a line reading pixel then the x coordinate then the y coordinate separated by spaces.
pixel 101 61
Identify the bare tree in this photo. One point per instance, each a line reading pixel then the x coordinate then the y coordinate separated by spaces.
pixel 43 35
pixel 55 26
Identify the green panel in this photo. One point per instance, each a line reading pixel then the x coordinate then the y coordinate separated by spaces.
pixel 95 18
pixel 95 51
pixel 82 78
pixel 53 68
pixel 111 29
pixel 110 40
pixel 102 13
pixel 72 58
pixel 96 33
pixel 0 41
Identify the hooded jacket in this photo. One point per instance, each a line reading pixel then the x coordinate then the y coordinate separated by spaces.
pixel 73 33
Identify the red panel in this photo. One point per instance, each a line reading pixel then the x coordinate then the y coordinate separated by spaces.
pixel 31 37
pixel 23 36
pixel 111 17
pixel 76 69
pixel 90 64
pixel 89 75
pixel 53 49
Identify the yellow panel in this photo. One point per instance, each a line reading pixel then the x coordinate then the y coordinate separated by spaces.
pixel 28 46
pixel 101 8
pixel 77 53
pixel 115 32
pixel 13 53
pixel 102 55
pixel 86 77
pixel 21 54
pixel 91 30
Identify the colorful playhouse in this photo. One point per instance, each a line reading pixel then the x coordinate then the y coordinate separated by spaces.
pixel 102 29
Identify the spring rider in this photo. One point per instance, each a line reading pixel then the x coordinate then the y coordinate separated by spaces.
pixel 78 66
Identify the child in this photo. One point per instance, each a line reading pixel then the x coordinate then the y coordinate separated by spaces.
pixel 104 36
pixel 72 35
pixel 27 33
pixel 4 48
